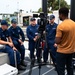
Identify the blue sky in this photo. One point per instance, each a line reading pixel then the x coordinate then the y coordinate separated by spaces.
pixel 9 6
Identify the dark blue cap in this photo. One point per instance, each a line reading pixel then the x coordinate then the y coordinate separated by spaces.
pixel 13 21
pixel 52 17
pixel 4 22
pixel 32 19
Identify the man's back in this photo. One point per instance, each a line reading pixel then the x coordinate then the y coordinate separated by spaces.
pixel 67 30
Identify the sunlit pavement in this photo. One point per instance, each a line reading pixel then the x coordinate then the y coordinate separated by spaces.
pixel 45 70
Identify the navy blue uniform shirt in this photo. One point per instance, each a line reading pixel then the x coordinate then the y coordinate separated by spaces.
pixel 32 32
pixel 16 33
pixel 4 34
pixel 51 32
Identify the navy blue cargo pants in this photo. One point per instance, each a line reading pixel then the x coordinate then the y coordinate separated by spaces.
pixel 10 52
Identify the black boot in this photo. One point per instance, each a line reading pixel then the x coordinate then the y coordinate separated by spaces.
pixel 39 60
pixel 20 67
pixel 13 65
pixel 23 63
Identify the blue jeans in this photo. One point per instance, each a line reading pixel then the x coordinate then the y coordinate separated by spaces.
pixel 20 48
pixel 61 61
pixel 10 52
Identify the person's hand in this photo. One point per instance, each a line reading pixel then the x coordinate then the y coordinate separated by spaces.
pixel 35 39
pixel 20 41
pixel 10 44
pixel 14 48
pixel 55 45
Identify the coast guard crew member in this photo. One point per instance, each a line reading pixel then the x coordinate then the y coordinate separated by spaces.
pixel 32 31
pixel 6 40
pixel 50 38
pixel 18 38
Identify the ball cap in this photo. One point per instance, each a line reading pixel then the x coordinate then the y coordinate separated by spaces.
pixel 52 17
pixel 4 22
pixel 13 21
pixel 32 19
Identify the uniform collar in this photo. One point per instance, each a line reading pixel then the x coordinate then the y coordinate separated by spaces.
pixel 13 27
pixel 2 30
pixel 52 24
pixel 33 26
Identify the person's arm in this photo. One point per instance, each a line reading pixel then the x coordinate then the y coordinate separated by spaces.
pixel 28 34
pixel 55 44
pixel 9 36
pixel 58 40
pixel 22 35
pixel 10 40
pixel 3 42
pixel 58 34
pixel 6 43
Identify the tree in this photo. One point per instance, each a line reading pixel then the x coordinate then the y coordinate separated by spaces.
pixel 39 10
pixel 15 13
pixel 55 4
pixel 50 3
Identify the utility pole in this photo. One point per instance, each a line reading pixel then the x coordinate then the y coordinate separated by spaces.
pixel 72 11
pixel 59 8
pixel 44 6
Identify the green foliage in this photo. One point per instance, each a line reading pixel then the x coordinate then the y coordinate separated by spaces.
pixel 55 4
pixel 39 10
pixel 50 3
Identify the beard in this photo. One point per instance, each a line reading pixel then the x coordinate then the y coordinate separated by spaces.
pixel 60 19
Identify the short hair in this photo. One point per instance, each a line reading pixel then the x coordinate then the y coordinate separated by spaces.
pixel 64 11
